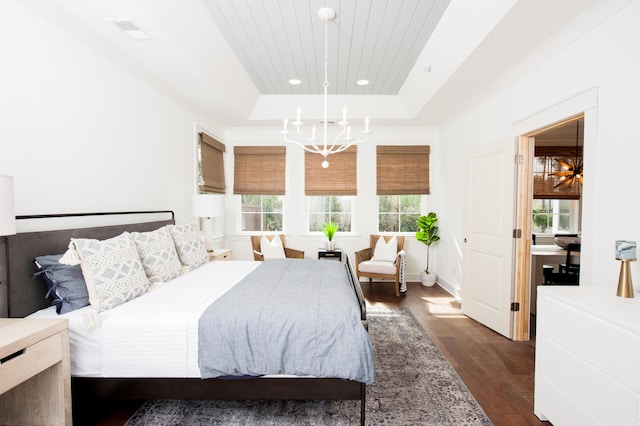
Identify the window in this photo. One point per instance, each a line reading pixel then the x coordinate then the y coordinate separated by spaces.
pixel 211 165
pixel 553 216
pixel 398 213
pixel 545 163
pixel 261 213
pixel 259 177
pixel 330 208
pixel 402 176
pixel 329 190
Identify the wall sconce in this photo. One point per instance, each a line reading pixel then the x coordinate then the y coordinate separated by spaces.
pixel 209 208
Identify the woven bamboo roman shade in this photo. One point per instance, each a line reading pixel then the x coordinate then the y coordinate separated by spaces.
pixel 544 163
pixel 212 164
pixel 402 169
pixel 340 178
pixel 259 170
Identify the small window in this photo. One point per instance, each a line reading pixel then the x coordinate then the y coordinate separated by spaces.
pixel 261 213
pixel 553 216
pixel 330 208
pixel 398 213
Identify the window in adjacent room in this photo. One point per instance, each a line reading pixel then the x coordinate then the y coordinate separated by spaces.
pixel 555 216
pixel 556 207
pixel 259 177
pixel 330 191
pixel 402 177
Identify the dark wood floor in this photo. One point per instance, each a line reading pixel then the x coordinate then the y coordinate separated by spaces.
pixel 498 372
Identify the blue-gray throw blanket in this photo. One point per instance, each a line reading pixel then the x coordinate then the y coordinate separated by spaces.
pixel 288 316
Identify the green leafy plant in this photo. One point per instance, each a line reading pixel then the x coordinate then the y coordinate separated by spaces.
pixel 329 229
pixel 427 232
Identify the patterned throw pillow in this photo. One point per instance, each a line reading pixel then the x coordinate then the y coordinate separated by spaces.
pixel 158 254
pixel 112 270
pixel 190 245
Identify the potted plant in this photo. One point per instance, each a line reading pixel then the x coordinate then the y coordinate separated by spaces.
pixel 427 234
pixel 329 230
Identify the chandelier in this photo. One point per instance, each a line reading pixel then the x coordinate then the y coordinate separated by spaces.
pixel 570 171
pixel 343 140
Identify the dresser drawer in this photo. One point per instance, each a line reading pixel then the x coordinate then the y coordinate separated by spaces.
pixel 30 361
pixel 576 392
pixel 605 346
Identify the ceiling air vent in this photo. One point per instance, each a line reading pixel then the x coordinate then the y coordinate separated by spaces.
pixel 130 29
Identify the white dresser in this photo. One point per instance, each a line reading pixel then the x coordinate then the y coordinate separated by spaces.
pixel 587 357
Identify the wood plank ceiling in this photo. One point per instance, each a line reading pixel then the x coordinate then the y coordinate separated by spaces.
pixel 376 40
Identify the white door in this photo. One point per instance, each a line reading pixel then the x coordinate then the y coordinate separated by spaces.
pixel 488 240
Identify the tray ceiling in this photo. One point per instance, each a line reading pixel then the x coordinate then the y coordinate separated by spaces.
pixel 278 40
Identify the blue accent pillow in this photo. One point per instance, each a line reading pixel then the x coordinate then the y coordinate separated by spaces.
pixel 65 283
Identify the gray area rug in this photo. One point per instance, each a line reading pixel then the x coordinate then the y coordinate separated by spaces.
pixel 415 385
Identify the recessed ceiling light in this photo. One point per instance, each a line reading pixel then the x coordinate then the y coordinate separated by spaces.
pixel 295 82
pixel 130 29
pixel 362 82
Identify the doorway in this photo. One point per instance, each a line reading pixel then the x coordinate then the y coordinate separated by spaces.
pixel 549 203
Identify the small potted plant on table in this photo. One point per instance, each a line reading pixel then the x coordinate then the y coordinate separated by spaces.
pixel 329 230
pixel 427 234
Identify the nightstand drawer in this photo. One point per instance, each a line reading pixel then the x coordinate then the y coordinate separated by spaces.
pixel 221 254
pixel 330 254
pixel 26 363
pixel 35 378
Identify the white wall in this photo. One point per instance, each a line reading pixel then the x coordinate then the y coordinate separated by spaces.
pixel 365 204
pixel 592 64
pixel 81 134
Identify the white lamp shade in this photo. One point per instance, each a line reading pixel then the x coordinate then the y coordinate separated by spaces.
pixel 207 205
pixel 7 206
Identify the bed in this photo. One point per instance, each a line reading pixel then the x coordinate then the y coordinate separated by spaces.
pixel 166 378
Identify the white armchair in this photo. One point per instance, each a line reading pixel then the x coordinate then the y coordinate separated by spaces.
pixel 381 260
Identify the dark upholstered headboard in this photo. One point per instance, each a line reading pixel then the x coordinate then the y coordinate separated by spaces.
pixel 25 294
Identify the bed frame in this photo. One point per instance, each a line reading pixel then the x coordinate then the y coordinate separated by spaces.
pixel 25 296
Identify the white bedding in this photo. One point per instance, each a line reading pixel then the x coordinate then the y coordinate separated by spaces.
pixel 136 339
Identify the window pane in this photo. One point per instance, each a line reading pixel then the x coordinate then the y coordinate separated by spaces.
pixel 343 220
pixel 408 222
pixel 551 216
pixel 388 222
pixel 332 208
pixel 316 221
pixel 261 212
pixel 398 213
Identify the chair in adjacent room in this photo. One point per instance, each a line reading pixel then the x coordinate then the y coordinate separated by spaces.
pixel 272 247
pixel 382 259
pixel 568 272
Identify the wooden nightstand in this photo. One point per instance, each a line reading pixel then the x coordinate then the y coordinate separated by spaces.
pixel 35 377
pixel 220 254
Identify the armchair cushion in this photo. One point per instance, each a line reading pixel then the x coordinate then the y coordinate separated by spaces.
pixel 385 251
pixel 377 267
pixel 271 249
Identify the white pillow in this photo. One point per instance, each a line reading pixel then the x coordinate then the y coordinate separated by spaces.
pixel 112 270
pixel 385 251
pixel 189 244
pixel 158 254
pixel 271 249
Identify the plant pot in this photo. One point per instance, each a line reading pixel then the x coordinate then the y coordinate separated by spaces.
pixel 329 245
pixel 427 280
